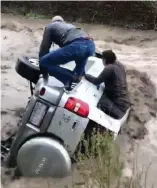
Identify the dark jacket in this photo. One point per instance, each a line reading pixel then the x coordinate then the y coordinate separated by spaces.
pixel 114 77
pixel 59 33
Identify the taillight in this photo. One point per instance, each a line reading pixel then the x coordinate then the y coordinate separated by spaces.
pixel 77 106
pixel 42 91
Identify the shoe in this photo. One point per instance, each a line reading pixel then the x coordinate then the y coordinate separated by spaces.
pixel 73 85
pixel 76 80
pixel 70 87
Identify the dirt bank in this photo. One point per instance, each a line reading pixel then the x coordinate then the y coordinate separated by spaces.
pixel 136 49
pixel 144 103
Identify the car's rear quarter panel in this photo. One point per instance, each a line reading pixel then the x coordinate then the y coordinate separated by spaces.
pixel 69 127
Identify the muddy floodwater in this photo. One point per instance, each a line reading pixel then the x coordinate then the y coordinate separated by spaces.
pixel 137 50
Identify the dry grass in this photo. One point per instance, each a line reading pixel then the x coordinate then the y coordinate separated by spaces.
pixel 100 162
pixel 101 165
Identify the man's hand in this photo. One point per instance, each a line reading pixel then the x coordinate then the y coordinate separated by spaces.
pixel 92 79
pixel 88 77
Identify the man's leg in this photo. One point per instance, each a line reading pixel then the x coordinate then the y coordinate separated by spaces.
pixel 79 51
pixel 50 63
pixel 86 49
pixel 110 108
pixel 62 74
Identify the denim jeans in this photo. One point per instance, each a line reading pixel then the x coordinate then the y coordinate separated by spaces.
pixel 79 50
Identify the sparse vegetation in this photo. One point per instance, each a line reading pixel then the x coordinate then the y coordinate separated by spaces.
pixel 32 15
pixel 101 165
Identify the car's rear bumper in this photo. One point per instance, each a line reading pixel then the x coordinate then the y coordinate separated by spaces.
pixel 27 130
pixel 58 122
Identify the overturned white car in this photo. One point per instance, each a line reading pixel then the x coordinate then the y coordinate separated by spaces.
pixel 54 121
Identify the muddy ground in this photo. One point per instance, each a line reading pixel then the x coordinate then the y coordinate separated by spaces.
pixel 135 49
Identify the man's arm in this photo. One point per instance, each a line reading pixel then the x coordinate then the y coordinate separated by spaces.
pixel 46 42
pixel 105 74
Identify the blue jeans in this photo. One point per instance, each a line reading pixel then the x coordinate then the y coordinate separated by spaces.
pixel 79 50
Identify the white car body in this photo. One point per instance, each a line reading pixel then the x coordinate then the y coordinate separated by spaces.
pixel 51 131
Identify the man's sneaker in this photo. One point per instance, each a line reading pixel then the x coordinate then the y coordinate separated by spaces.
pixel 73 84
pixel 70 87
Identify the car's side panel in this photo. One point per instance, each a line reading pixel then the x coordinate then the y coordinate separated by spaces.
pixel 107 121
pixel 69 127
pixel 52 93
pixel 103 119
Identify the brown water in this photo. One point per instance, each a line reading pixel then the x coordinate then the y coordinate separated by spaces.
pixel 135 49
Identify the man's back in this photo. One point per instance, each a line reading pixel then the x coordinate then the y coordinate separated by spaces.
pixel 116 86
pixel 75 45
pixel 115 100
pixel 60 33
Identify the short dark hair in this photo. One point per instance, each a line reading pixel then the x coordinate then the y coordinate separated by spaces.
pixel 109 56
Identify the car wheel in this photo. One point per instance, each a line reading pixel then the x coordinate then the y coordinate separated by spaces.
pixel 27 69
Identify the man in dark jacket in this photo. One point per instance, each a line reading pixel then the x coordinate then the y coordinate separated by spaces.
pixel 115 100
pixel 75 45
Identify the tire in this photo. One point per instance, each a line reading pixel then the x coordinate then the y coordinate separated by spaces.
pixel 17 173
pixel 39 152
pixel 27 70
